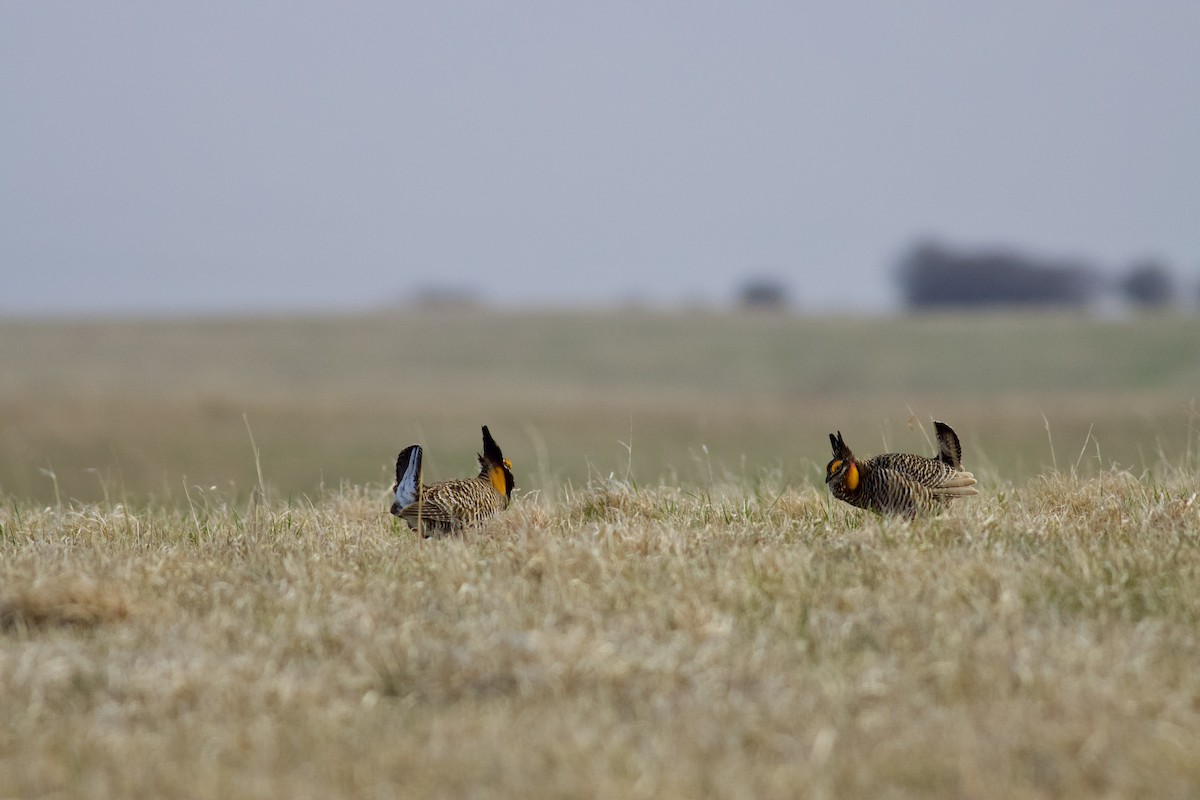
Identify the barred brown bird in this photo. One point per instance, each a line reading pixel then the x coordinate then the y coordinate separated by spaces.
pixel 451 505
pixel 900 483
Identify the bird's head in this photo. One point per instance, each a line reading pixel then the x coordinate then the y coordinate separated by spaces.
pixel 842 470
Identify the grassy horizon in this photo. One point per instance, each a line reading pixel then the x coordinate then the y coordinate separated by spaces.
pixel 146 410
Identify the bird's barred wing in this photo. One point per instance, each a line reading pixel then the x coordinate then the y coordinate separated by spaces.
pixel 936 475
pixel 462 502
pixel 900 492
pixel 896 491
pixel 427 514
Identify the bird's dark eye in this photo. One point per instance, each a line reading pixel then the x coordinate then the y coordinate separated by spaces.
pixel 834 466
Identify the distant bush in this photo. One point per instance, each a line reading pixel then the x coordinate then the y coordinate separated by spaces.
pixel 1148 284
pixel 932 275
pixel 764 294
pixel 445 298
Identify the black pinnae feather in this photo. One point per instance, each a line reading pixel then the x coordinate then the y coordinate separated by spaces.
pixel 840 450
pixel 492 458
pixel 491 451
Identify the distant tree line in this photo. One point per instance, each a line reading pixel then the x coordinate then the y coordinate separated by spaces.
pixel 932 275
pixel 763 293
pixel 1148 284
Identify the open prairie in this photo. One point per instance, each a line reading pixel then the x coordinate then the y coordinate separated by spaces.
pixel 201 593
pixel 143 410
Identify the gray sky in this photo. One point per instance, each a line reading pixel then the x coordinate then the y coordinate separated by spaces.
pixel 162 157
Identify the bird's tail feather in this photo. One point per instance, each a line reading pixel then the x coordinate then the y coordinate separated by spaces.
pixel 408 477
pixel 949 448
pixel 960 484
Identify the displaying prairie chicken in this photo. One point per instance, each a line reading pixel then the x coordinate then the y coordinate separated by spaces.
pixel 900 483
pixel 451 505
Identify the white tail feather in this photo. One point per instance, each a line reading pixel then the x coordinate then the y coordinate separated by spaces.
pixel 408 476
pixel 960 484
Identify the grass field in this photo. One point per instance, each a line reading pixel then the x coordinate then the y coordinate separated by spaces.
pixel 673 608
pixel 140 411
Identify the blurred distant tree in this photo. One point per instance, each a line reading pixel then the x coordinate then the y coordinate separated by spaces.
pixel 445 298
pixel 1148 284
pixel 932 275
pixel 763 294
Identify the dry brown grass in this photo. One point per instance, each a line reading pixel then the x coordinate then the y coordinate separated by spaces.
pixel 735 642
pixel 67 600
pixel 178 620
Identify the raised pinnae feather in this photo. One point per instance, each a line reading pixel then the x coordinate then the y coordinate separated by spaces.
pixel 840 450
pixel 491 456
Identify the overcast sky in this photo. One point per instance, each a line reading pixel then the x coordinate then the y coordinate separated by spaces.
pixel 162 157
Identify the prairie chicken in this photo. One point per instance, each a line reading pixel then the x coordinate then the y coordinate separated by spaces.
pixel 451 505
pixel 900 483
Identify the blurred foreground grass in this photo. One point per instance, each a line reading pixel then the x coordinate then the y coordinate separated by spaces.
pixel 148 409
pixel 614 643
